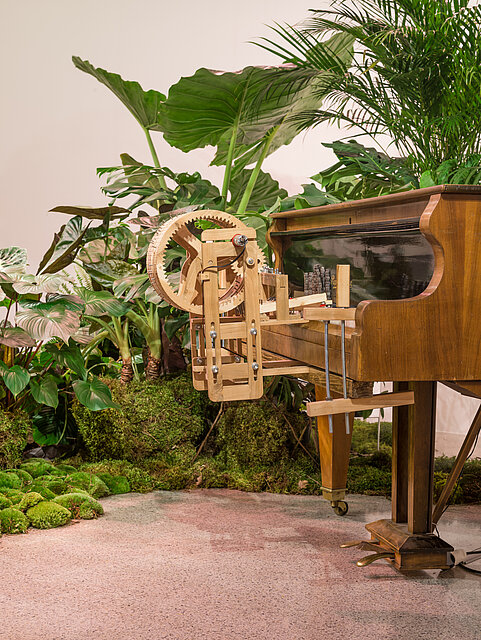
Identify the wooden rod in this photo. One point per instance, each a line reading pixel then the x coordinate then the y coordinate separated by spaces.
pixel 350 405
pixel 463 454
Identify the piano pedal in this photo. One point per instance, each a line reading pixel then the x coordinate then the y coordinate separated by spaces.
pixel 340 507
pixel 367 560
pixel 364 545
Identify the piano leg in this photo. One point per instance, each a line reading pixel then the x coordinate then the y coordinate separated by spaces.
pixel 334 450
pixel 408 536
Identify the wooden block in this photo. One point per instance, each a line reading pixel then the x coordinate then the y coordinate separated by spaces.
pixel 349 405
pixel 343 285
pixel 325 313
pixel 296 303
pixel 210 235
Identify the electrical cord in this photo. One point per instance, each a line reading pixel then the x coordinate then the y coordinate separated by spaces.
pixel 224 266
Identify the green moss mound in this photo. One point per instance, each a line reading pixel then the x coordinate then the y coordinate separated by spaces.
pixel 30 499
pixel 364 437
pixel 116 484
pixel 66 468
pixel 89 482
pixel 74 503
pixel 9 480
pixel 4 502
pixel 24 476
pixel 139 479
pixel 13 521
pixel 47 515
pixel 14 495
pixel 37 467
pixel 42 489
pixel 55 484
pixel 14 429
pixel 156 419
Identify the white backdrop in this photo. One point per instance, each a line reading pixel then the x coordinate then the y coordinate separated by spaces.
pixel 58 124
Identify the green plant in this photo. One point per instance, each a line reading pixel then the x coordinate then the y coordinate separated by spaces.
pixel 13 521
pixel 47 515
pixel 415 74
pixel 29 499
pixel 14 428
pixel 88 482
pixel 80 505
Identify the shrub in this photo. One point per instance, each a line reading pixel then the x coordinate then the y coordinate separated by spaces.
pixel 30 499
pixel 13 521
pixel 74 503
pixel 9 480
pixel 14 429
pixel 89 482
pixel 364 437
pixel 47 515
pixel 116 484
pixel 156 419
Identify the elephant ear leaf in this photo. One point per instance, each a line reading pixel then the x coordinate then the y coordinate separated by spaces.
pixel 143 105
pixel 64 247
pixel 43 324
pixel 16 378
pixel 45 391
pixel 265 193
pixel 15 337
pixel 94 394
pixel 13 258
pixel 93 213
pixel 100 303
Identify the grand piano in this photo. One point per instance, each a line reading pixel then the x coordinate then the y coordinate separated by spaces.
pixel 416 265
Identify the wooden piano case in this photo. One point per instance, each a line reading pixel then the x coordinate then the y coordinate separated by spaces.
pixel 424 246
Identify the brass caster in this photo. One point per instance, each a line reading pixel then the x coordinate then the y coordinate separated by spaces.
pixel 364 562
pixel 340 507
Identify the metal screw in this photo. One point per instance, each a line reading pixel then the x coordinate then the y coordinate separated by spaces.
pixel 215 369
pixel 253 331
pixel 237 359
pixel 199 361
pixel 197 328
pixel 250 261
pixel 255 366
pixel 213 334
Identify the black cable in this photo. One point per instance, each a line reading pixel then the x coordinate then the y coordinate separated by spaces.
pixel 224 266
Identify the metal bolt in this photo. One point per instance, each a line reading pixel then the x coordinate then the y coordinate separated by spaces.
pixel 197 328
pixel 255 366
pixel 253 331
pixel 199 361
pixel 213 334
pixel 215 369
pixel 237 359
pixel 250 261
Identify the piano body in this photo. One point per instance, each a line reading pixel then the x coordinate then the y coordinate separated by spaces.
pixel 424 242
pixel 411 316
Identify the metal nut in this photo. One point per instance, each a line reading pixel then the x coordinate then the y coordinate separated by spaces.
pixel 250 262
pixel 253 331
pixel 255 366
pixel 199 361
pixel 213 334
pixel 215 369
pixel 237 359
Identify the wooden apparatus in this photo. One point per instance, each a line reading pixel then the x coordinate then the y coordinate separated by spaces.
pixel 239 334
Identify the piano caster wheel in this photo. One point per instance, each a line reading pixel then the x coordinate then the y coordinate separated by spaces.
pixel 340 507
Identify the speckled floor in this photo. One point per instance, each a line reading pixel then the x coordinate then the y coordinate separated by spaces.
pixel 224 565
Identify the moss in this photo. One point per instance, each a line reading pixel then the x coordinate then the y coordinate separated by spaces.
pixel 42 489
pixel 74 503
pixel 13 521
pixel 140 481
pixel 369 480
pixel 30 499
pixel 4 502
pixel 156 418
pixel 364 436
pixel 9 480
pixel 24 476
pixel 14 495
pixel 254 433
pixel 116 484
pixel 66 468
pixel 14 429
pixel 37 468
pixel 55 484
pixel 47 515
pixel 89 482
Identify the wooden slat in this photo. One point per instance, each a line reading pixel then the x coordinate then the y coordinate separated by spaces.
pixel 349 405
pixel 296 303
pixel 343 285
pixel 325 313
pixel 210 235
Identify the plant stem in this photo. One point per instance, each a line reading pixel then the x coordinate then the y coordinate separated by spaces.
pixel 155 157
pixel 228 163
pixel 255 172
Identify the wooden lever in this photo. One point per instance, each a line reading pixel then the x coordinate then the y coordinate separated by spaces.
pixel 349 405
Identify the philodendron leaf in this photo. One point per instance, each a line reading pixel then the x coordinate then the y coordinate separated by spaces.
pixel 100 303
pixel 94 394
pixel 64 247
pixel 104 273
pixel 132 286
pixel 73 303
pixel 16 378
pixel 43 324
pixel 265 193
pixel 44 390
pixel 93 213
pixel 13 258
pixel 143 105
pixel 15 337
pixel 68 356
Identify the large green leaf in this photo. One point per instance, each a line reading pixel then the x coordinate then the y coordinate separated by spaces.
pixel 265 193
pixel 16 378
pixel 94 394
pixel 13 258
pixel 93 213
pixel 48 283
pixel 104 273
pixel 44 390
pixel 69 356
pixel 15 337
pixel 64 247
pixel 73 303
pixel 143 105
pixel 100 303
pixel 43 324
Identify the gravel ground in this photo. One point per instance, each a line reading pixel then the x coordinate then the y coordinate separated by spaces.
pixel 225 565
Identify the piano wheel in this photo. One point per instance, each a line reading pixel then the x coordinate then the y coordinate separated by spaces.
pixel 340 507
